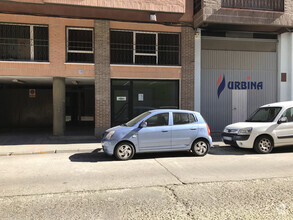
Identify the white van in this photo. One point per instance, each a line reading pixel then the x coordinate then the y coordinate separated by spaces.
pixel 270 126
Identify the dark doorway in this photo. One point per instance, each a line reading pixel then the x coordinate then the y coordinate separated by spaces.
pixel 80 109
pixel 133 97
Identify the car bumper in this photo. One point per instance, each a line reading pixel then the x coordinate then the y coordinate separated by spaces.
pixel 237 140
pixel 108 146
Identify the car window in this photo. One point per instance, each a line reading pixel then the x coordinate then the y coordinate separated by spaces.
pixel 136 119
pixel 183 118
pixel 289 114
pixel 158 120
pixel 266 114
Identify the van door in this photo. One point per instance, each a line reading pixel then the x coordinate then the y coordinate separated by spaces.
pixel 284 131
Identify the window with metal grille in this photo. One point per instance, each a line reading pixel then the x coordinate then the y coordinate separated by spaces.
pixel 20 42
pixel 144 48
pixel 80 45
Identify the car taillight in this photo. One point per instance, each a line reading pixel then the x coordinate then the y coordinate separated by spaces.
pixel 208 128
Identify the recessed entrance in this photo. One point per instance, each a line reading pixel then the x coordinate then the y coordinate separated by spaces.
pixel 133 97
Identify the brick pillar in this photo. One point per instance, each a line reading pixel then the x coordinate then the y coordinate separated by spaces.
pixel 187 62
pixel 102 77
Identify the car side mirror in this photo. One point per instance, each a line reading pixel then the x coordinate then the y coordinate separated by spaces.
pixel 143 124
pixel 283 120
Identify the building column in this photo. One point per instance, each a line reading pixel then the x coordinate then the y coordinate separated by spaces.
pixel 187 62
pixel 102 77
pixel 285 67
pixel 197 70
pixel 58 106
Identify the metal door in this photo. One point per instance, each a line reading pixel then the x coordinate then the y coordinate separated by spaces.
pixel 121 106
pixel 239 105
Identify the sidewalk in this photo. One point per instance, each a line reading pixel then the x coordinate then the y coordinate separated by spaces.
pixel 22 144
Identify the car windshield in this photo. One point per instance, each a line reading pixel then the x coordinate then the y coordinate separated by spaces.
pixel 267 114
pixel 136 119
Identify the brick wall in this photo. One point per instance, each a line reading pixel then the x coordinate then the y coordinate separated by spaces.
pixel 187 62
pixel 57 49
pixel 102 77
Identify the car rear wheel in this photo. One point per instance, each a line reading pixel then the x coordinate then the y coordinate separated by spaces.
pixel 124 151
pixel 200 148
pixel 263 145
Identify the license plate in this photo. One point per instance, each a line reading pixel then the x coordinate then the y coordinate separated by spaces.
pixel 227 138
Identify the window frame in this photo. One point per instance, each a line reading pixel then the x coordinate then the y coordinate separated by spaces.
pixel 79 51
pixel 195 118
pixel 148 54
pixel 168 122
pixel 31 39
pixel 283 114
pixel 156 54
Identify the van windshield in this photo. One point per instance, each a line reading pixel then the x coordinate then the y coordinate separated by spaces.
pixel 136 119
pixel 267 114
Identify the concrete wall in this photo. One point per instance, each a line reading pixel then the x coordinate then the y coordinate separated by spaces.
pixel 19 110
pixel 212 12
pixel 285 65
pixel 154 5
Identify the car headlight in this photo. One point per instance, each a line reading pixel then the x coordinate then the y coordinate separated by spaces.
pixel 245 131
pixel 109 135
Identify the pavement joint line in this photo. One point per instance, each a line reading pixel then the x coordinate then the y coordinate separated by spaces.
pixel 169 171
pixel 167 186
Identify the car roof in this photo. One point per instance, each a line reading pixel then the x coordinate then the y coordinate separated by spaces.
pixel 171 110
pixel 279 104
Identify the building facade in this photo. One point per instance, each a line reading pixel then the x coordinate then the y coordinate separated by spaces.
pixel 245 61
pixel 96 64
pixel 93 64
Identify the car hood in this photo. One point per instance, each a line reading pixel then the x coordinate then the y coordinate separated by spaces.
pixel 121 131
pixel 241 125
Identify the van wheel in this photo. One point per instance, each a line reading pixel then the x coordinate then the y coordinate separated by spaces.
pixel 200 148
pixel 263 145
pixel 124 151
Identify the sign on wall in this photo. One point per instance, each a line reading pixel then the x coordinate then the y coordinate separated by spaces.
pixel 32 93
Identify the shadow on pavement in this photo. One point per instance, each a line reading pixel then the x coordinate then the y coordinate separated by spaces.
pixel 229 150
pixel 285 149
pixel 99 156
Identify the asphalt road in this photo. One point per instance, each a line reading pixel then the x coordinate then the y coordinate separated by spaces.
pixel 228 183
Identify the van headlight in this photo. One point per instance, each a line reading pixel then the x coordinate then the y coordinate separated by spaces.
pixel 245 131
pixel 109 135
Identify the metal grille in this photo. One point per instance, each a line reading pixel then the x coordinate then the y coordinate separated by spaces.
pixel 144 48
pixel 24 42
pixel 266 5
pixel 196 6
pixel 80 45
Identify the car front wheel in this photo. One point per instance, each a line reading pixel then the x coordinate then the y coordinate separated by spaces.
pixel 263 145
pixel 200 148
pixel 124 151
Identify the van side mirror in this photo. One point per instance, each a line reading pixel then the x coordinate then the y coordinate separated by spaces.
pixel 283 120
pixel 143 124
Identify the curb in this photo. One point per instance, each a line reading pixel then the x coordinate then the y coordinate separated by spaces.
pixel 47 152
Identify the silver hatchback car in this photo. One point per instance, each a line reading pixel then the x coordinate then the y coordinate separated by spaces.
pixel 158 131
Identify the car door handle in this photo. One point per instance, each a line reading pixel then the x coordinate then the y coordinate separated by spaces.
pixel 164 131
pixel 193 129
